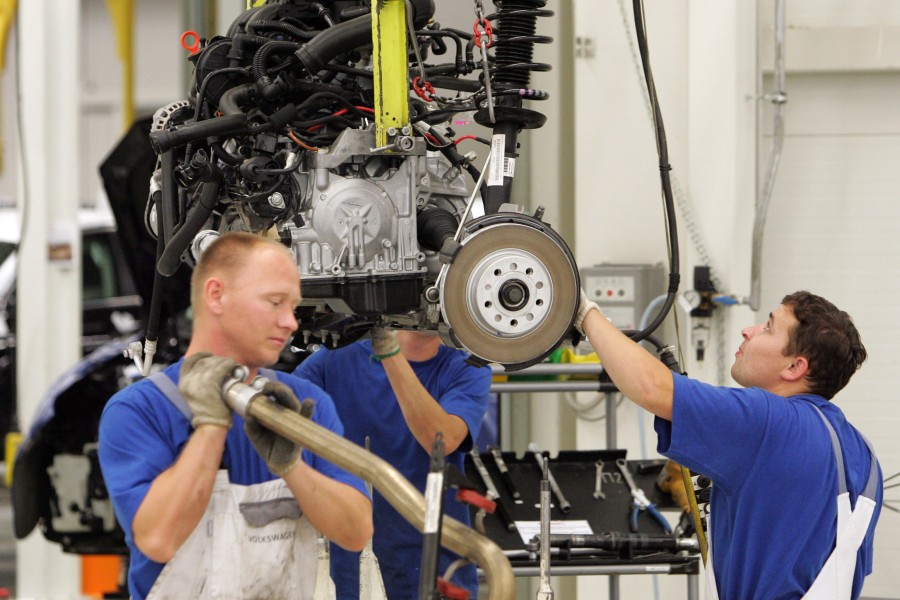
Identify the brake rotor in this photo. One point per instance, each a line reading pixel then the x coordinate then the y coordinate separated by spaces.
pixel 511 293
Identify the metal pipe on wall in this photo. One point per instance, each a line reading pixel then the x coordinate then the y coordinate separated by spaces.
pixel 779 99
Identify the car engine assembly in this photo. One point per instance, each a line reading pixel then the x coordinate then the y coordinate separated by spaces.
pixel 298 126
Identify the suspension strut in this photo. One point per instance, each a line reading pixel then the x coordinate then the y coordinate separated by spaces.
pixel 515 23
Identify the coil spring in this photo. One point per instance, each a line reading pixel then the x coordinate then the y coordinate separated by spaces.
pixel 515 23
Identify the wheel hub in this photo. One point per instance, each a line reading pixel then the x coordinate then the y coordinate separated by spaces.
pixel 511 292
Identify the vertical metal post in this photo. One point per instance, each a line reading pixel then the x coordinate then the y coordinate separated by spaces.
pixel 545 592
pixel 49 285
pixel 613 587
pixel 693 583
pixel 611 425
pixel 611 443
pixel 434 509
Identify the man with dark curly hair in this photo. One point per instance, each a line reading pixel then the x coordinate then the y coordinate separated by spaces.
pixel 797 489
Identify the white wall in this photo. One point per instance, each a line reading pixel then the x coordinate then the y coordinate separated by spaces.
pixel 833 219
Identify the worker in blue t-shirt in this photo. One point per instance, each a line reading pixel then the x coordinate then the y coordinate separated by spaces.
pixel 213 505
pixel 785 521
pixel 399 390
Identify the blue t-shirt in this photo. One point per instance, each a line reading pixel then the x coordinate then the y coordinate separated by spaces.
pixel 368 407
pixel 773 504
pixel 142 434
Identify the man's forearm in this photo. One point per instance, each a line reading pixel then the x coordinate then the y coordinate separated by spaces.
pixel 337 510
pixel 423 414
pixel 178 496
pixel 637 373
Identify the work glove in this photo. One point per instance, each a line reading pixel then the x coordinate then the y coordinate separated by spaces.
pixel 384 342
pixel 281 454
pixel 200 383
pixel 584 307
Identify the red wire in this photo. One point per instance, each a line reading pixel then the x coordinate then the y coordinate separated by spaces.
pixel 344 111
pixel 464 137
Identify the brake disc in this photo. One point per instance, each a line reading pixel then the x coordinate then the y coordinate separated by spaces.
pixel 511 293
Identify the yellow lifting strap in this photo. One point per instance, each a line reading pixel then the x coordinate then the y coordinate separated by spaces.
pixel 122 14
pixel 7 14
pixel 389 68
pixel 695 511
pixel 11 448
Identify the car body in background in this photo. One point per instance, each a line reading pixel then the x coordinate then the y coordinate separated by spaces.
pixel 111 305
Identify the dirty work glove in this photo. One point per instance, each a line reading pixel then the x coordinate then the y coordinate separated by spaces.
pixel 200 382
pixel 384 342
pixel 584 307
pixel 281 454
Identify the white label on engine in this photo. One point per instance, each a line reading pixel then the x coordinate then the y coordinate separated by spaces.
pixel 509 167
pixel 495 170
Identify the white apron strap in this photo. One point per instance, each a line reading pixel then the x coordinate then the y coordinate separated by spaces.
pixel 170 390
pixel 835 580
pixel 324 585
pixel 371 585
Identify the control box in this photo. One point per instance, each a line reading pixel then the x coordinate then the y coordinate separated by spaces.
pixel 623 291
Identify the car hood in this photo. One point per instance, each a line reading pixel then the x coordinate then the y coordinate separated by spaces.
pixel 126 174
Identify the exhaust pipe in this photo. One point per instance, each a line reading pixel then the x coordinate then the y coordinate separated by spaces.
pixel 246 400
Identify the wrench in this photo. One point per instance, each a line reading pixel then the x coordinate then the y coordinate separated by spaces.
pixel 598 482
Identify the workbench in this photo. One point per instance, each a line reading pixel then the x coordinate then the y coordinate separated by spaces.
pixel 575 473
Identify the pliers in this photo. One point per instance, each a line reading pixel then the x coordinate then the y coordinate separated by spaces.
pixel 639 501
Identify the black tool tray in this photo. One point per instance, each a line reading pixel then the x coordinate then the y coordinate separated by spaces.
pixel 575 472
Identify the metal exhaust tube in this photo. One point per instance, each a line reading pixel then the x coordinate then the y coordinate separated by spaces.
pixel 402 495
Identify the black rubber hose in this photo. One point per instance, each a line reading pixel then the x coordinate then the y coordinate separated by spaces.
pixel 255 26
pixel 423 10
pixel 167 206
pixel 223 155
pixel 258 67
pixel 171 257
pixel 260 13
pixel 284 115
pixel 230 102
pixel 665 180
pixel 163 141
pixel 316 53
pixel 435 225
pixel 156 296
